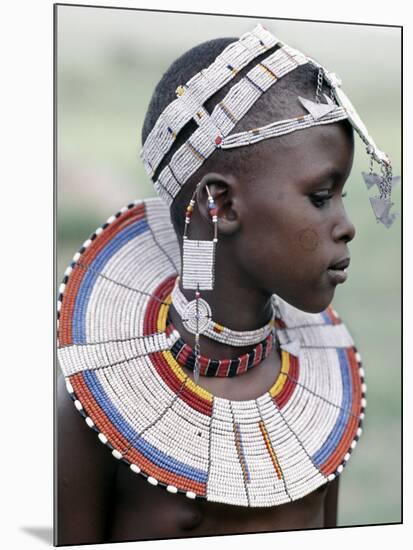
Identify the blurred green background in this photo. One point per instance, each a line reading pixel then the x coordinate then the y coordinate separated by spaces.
pixel 109 61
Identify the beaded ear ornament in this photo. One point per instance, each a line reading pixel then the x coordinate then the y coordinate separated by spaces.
pixel 198 274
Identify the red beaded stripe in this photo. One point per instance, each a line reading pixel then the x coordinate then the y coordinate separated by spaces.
pixel 158 360
pixel 119 442
pixel 172 381
pixel 224 365
pixel 243 365
pixel 66 313
pixel 293 373
pixel 334 461
pixel 150 323
pixel 279 323
pixel 335 319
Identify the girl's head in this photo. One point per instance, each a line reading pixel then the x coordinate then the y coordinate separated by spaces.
pixel 281 216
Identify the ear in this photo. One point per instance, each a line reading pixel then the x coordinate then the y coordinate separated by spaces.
pixel 223 189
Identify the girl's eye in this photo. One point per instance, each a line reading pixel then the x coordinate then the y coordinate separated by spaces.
pixel 320 200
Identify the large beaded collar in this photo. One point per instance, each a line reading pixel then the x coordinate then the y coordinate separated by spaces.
pixel 114 351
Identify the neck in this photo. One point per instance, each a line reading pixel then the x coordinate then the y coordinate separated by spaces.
pixel 234 304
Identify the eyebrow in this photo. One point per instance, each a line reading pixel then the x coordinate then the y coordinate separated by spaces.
pixel 331 174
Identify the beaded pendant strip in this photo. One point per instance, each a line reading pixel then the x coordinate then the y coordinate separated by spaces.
pixel 115 353
pixel 213 131
pixel 184 355
pixel 218 332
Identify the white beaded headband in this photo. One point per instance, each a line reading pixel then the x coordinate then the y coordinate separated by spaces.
pixel 213 130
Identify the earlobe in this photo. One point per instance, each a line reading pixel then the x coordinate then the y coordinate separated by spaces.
pixel 223 190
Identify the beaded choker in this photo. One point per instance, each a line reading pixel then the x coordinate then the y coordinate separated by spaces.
pixel 216 331
pixel 185 356
pixel 116 355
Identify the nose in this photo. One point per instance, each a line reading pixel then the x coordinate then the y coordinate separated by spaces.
pixel 344 229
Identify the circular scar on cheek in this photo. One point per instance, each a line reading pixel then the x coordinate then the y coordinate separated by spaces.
pixel 308 239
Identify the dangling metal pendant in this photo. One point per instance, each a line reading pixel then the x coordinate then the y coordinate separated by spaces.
pixel 381 209
pixel 371 178
pixel 317 110
pixel 196 316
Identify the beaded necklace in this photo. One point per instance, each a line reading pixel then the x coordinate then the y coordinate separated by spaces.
pixel 116 355
pixel 216 331
pixel 185 356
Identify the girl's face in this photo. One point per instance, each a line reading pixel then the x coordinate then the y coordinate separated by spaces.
pixel 294 224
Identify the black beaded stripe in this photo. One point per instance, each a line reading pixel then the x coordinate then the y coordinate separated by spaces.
pixel 214 364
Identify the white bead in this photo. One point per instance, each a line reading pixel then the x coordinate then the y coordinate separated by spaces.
pixel 331 477
pixel 62 288
pixel 362 415
pixel 135 468
pixel 76 256
pixel 363 388
pixel 117 454
pixel 69 386
pixel 68 270
pixel 353 444
pixel 98 231
pixel 358 357
pixel 190 494
pixel 359 432
pixel 89 422
pixel 152 480
pixel 86 243
pixel 59 305
pixel 102 438
pixel 111 219
pixel 78 405
pixel 340 468
pixel 347 456
pixel 172 489
pixel 361 371
pixel 363 402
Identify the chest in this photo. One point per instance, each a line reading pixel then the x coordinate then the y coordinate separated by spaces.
pixel 142 511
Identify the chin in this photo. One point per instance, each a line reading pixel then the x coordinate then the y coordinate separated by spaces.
pixel 312 306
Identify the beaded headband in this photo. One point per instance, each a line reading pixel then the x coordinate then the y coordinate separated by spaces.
pixel 213 131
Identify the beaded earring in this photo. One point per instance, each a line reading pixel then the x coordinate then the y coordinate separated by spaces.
pixel 198 273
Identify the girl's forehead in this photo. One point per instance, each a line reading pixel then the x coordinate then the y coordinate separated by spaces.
pixel 320 152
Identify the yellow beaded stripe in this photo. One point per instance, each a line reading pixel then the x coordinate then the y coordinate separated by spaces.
pixel 282 377
pixel 275 389
pixel 240 453
pixel 270 449
pixel 175 367
pixel 194 151
pixel 268 71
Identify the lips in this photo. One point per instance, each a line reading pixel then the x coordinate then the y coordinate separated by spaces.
pixel 341 264
pixel 337 271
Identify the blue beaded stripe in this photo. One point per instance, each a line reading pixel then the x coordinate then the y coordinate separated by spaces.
pixel 336 434
pixel 153 454
pixel 326 318
pixel 254 84
pixel 91 275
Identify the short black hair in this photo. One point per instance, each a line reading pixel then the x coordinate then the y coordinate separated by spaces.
pixel 275 104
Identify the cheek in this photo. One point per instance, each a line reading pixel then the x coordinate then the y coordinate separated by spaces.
pixel 307 239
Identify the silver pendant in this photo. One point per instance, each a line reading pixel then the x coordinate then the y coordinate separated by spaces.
pixel 371 178
pixel 381 209
pixel 317 110
pixel 196 316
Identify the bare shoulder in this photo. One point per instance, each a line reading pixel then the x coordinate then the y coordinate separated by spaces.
pixel 85 475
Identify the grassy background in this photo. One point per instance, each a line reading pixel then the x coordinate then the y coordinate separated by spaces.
pixel 108 64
